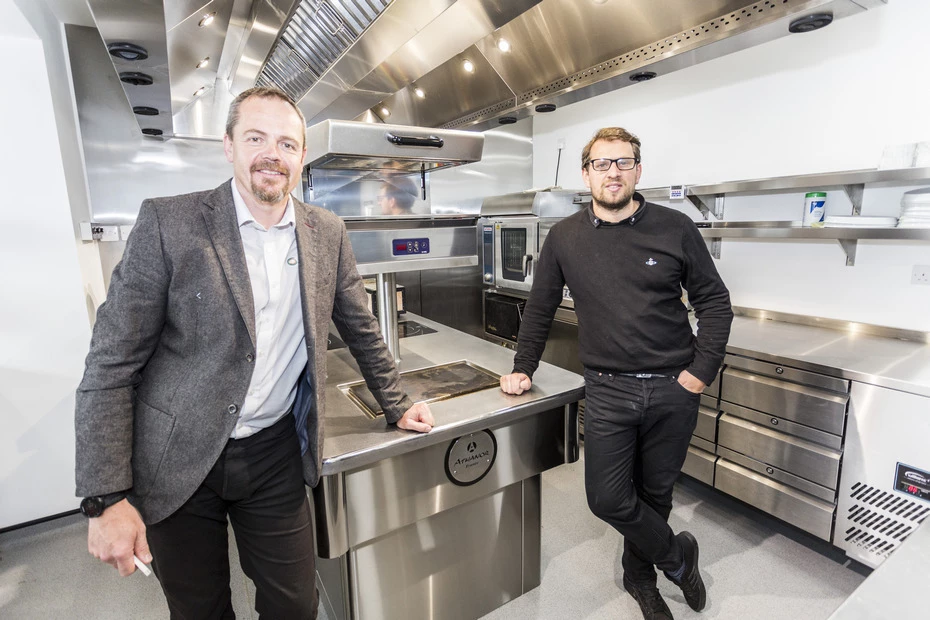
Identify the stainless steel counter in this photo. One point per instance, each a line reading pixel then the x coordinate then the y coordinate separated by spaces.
pixel 354 440
pixel 895 589
pixel 897 364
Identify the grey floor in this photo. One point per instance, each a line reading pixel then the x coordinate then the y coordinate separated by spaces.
pixel 754 566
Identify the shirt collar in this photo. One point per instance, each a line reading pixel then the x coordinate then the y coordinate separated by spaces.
pixel 244 216
pixel 630 221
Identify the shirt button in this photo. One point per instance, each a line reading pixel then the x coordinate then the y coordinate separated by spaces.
pixel 249 357
pixel 232 409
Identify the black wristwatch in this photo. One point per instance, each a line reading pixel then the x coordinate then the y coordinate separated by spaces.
pixel 92 507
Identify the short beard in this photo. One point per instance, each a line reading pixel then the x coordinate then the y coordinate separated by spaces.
pixel 620 204
pixel 268 196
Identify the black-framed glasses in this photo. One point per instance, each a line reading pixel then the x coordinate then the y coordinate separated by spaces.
pixel 603 164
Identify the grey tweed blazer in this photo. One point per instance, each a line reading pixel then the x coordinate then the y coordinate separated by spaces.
pixel 172 350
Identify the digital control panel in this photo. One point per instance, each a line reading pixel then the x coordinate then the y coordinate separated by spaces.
pixel 487 249
pixel 912 481
pixel 405 247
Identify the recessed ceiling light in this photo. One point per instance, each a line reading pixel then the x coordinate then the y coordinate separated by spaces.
pixel 503 45
pixel 207 19
pixel 203 63
pixel 419 92
pixel 200 91
pixel 469 66
pixel 385 112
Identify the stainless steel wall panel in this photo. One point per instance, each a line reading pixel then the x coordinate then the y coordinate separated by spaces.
pixel 778 371
pixel 706 427
pixel 699 464
pixel 414 486
pixel 797 456
pixel 779 475
pixel 807 405
pixel 788 504
pixel 785 426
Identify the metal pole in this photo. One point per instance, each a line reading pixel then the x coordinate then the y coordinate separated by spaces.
pixel 387 311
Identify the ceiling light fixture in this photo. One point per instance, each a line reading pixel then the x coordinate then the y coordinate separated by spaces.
pixel 809 23
pixel 127 51
pixel 385 111
pixel 419 92
pixel 503 45
pixel 200 91
pixel 203 63
pixel 207 19
pixel 469 66
pixel 643 76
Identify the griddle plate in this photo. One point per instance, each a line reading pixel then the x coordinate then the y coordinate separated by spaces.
pixel 428 385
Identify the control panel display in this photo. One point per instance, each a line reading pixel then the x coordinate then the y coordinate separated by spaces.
pixel 405 247
pixel 912 481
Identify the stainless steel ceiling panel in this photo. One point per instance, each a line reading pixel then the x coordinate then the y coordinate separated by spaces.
pixel 188 44
pixel 447 90
pixel 176 11
pixel 268 17
pixel 454 30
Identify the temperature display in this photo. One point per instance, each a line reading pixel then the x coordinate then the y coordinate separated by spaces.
pixel 913 481
pixel 405 247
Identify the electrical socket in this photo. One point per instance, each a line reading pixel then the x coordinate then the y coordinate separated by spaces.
pixel 920 274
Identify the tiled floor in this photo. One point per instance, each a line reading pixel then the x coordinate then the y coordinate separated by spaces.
pixel 755 567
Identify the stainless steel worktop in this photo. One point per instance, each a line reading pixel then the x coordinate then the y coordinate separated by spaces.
pixel 353 439
pixel 895 589
pixel 888 362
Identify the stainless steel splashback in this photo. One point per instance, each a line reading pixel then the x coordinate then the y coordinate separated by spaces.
pixel 350 145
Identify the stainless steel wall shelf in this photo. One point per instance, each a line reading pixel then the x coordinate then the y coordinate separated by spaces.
pixel 853 182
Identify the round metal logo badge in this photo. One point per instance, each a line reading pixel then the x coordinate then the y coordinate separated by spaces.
pixel 471 457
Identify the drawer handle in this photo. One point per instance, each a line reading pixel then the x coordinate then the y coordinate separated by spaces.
pixel 779 370
pixel 774 421
pixel 769 471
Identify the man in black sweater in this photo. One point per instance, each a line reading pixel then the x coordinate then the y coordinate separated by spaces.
pixel 625 262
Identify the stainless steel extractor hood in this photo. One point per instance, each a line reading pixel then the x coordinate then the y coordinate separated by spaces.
pixel 403 61
pixel 351 145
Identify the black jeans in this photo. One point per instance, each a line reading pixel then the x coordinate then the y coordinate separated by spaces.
pixel 636 439
pixel 258 482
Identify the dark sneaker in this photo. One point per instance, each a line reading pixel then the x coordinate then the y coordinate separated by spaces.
pixel 650 601
pixel 691 584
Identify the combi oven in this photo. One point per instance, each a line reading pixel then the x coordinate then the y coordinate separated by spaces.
pixel 509 249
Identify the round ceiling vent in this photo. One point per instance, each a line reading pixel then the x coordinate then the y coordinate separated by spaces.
pixel 507 120
pixel 810 22
pixel 136 78
pixel 127 51
pixel 643 76
pixel 545 107
pixel 144 110
pixel 152 131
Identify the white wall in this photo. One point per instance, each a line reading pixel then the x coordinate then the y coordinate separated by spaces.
pixel 817 102
pixel 43 318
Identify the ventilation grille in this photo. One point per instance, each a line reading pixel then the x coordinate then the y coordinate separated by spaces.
pixel 483 114
pixel 316 35
pixel 880 521
pixel 581 417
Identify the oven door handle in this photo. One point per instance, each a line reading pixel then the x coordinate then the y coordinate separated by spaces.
pixel 527 264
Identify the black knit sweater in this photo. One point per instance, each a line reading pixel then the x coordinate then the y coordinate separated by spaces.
pixel 626 280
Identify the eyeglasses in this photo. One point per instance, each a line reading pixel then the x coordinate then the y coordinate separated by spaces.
pixel 603 164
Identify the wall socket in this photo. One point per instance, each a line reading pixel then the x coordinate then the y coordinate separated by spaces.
pixel 920 274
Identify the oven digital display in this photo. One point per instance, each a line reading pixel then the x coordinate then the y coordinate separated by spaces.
pixel 912 481
pixel 405 247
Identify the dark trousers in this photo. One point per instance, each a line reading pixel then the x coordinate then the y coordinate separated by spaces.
pixel 258 483
pixel 636 438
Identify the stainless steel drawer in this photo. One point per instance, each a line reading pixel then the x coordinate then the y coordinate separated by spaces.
pixel 713 390
pixel 779 500
pixel 786 426
pixel 807 405
pixel 779 475
pixel 797 456
pixel 699 465
pixel 703 444
pixel 706 427
pixel 814 379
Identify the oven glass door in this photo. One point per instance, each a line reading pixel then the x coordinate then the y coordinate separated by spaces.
pixel 515 253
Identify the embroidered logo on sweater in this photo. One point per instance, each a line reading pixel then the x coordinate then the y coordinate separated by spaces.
pixel 651 262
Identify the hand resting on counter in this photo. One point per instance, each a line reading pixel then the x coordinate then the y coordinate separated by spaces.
pixel 515 383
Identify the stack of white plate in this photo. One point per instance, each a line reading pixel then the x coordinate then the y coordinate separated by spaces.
pixel 915 209
pixel 859 221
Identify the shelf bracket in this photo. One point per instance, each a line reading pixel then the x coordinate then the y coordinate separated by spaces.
pixel 715 243
pixel 849 246
pixel 854 191
pixel 699 205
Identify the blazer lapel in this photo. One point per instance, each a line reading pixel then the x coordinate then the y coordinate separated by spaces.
pixel 308 241
pixel 219 213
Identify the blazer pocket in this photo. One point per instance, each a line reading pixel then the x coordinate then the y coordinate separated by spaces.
pixel 151 434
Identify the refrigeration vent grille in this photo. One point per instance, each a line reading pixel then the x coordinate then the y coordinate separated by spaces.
pixel 881 520
pixel 744 18
pixel 581 417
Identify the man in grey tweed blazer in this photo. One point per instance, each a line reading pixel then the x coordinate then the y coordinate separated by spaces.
pixel 203 393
